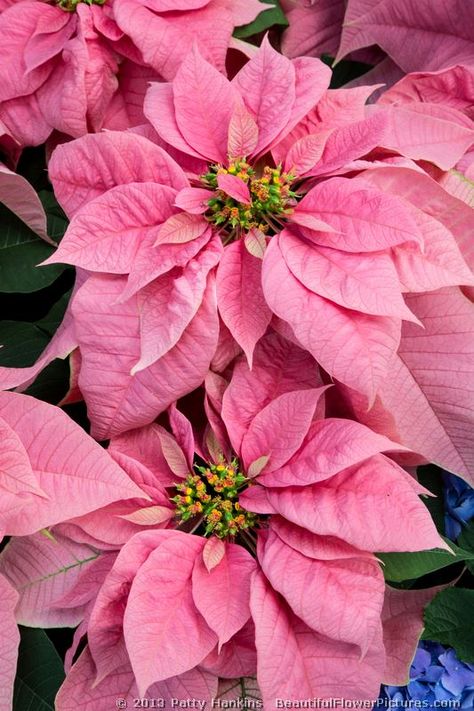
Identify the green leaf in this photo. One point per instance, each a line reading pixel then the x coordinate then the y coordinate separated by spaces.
pixel 407 566
pixel 32 166
pixel 23 341
pixel 430 477
pixel 52 384
pixel 55 315
pixel 345 70
pixel 448 620
pixel 40 672
pixel 57 220
pixel 266 19
pixel 245 687
pixel 21 250
pixel 466 540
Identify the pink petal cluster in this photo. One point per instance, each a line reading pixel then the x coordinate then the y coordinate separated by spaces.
pixel 76 66
pixel 315 591
pixel 396 37
pixel 438 39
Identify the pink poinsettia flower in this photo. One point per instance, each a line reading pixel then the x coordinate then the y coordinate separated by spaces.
pixel 125 223
pixel 330 266
pixel 288 176
pixel 67 65
pixel 58 67
pixel 248 570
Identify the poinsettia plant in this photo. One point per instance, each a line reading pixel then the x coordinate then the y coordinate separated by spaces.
pixel 237 363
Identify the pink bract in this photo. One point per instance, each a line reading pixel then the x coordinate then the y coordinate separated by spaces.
pixel 314 28
pixel 46 482
pixel 9 639
pixel 164 31
pixel 51 470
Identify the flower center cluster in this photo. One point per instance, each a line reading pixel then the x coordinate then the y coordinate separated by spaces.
pixel 211 494
pixel 270 193
pixel 71 5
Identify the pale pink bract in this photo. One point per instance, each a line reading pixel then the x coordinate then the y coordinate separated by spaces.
pixel 43 483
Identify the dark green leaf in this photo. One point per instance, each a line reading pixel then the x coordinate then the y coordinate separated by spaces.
pixel 32 166
pixel 430 477
pixel 36 304
pixel 408 566
pixel 77 411
pixel 245 687
pixel 52 319
pixel 57 220
pixel 21 250
pixel 466 540
pixel 345 70
pixel 266 19
pixel 448 620
pixel 52 384
pixel 40 672
pixel 24 341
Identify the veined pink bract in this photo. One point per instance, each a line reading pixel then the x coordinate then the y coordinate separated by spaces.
pixel 51 470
